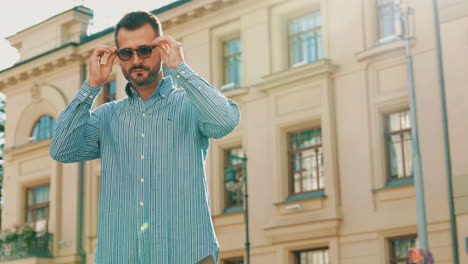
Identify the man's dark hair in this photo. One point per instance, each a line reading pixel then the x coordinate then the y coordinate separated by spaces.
pixel 137 19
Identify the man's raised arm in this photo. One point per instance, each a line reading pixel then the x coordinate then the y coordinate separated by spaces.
pixel 77 134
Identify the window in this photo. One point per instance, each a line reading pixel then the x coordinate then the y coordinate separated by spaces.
pixel 399 248
pixel 43 128
pixel 305 39
pixel 390 25
pixel 305 157
pixel 312 256
pixel 234 261
pixel 232 64
pixel 37 208
pixel 399 151
pixel 110 92
pixel 234 198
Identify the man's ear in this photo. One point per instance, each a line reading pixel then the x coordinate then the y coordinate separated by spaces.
pixel 117 60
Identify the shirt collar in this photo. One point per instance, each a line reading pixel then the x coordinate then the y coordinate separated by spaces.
pixel 165 86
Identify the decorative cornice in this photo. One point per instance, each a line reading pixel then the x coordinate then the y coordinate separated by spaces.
pixel 297 231
pixel 27 148
pixel 198 9
pixel 178 13
pixel 43 63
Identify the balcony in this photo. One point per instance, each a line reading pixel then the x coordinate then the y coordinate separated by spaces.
pixel 38 245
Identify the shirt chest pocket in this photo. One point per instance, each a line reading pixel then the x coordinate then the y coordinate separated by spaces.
pixel 179 121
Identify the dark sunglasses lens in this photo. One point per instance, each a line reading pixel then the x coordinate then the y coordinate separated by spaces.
pixel 125 54
pixel 144 52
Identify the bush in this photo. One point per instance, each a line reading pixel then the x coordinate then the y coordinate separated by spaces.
pixel 26 234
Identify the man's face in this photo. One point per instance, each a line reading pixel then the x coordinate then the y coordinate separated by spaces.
pixel 138 71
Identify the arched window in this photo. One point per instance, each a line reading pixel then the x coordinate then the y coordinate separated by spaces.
pixel 43 128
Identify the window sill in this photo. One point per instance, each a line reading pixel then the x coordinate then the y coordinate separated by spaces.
pixel 306 202
pixel 304 196
pixel 232 210
pixel 229 217
pixel 235 91
pixel 382 48
pixel 321 68
pixel 395 191
pixel 396 183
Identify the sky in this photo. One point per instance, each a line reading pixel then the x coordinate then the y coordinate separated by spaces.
pixel 21 14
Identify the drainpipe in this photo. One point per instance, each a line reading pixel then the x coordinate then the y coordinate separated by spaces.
pixel 81 251
pixel 448 164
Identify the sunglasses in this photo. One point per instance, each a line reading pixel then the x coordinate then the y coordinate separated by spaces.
pixel 143 52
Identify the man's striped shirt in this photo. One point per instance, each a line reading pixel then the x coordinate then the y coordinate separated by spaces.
pixel 154 205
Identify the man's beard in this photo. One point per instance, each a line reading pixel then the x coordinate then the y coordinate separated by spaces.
pixel 141 81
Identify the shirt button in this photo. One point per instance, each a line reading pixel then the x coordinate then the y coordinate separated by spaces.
pixel 143 114
pixel 85 94
pixel 199 88
pixel 142 157
pixel 142 134
pixel 178 76
pixel 91 97
pixel 182 71
pixel 162 95
pixel 141 203
pixel 141 179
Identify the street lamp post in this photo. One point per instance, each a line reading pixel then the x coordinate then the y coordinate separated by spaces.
pixel 417 167
pixel 231 182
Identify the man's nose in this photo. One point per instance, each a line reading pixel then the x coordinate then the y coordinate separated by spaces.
pixel 136 58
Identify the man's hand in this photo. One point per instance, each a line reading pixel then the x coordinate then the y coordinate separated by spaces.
pixel 170 50
pixel 98 73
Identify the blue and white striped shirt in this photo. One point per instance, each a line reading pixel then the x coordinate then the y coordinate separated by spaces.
pixel 154 206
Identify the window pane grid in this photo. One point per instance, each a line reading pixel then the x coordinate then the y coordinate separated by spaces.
pixel 399 145
pixel 37 208
pixel 305 39
pixel 232 62
pixel 306 161
pixel 399 249
pixel 234 198
pixel 313 256
pixel 387 14
pixel 43 128
pixel 110 92
pixel 234 262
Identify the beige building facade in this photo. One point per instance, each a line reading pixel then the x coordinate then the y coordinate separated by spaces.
pixel 322 88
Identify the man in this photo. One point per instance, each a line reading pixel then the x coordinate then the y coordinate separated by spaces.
pixel 153 205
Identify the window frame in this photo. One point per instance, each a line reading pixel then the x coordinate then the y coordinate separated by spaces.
pixel 290 151
pixel 34 207
pixel 37 123
pixel 296 253
pixel 233 260
pixel 225 85
pixel 390 247
pixel 238 167
pixel 107 95
pixel 387 135
pixel 396 23
pixel 313 30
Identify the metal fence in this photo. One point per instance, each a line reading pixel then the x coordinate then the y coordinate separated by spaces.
pixel 40 245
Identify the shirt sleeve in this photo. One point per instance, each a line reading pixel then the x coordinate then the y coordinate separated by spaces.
pixel 218 115
pixel 77 133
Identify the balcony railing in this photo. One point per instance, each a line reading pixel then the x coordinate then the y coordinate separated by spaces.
pixel 40 245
